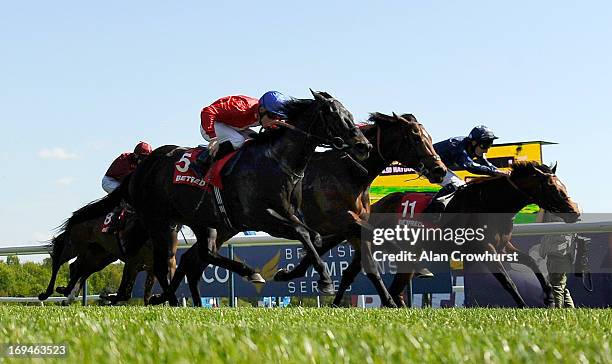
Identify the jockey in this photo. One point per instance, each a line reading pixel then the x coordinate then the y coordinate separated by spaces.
pixel 123 165
pixel 466 153
pixel 226 123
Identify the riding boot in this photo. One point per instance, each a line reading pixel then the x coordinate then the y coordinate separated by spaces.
pixel 202 163
pixel 225 148
pixel 438 204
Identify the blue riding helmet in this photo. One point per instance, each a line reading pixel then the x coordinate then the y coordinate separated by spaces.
pixel 273 102
pixel 481 134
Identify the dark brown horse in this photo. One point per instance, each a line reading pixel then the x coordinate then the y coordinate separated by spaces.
pixel 493 202
pixel 262 193
pixel 94 250
pixel 333 186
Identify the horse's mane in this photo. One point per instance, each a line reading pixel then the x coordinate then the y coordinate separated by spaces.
pixel 524 168
pixel 268 135
pixel 518 169
pixel 378 118
pixel 296 107
pixel 293 108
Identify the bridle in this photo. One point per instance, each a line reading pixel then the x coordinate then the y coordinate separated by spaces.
pixel 335 142
pixel 529 197
pixel 421 169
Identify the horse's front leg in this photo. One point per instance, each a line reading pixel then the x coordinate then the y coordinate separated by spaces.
pixel 499 272
pixel 284 275
pixel 293 228
pixel 529 262
pixel 372 272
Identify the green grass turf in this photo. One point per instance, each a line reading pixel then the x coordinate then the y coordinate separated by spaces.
pixel 311 335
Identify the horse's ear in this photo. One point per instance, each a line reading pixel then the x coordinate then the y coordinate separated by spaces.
pixel 554 168
pixel 319 96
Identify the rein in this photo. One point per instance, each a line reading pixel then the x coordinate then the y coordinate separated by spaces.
pixel 336 142
pixel 421 170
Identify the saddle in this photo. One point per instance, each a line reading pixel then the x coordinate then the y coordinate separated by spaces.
pixel 196 168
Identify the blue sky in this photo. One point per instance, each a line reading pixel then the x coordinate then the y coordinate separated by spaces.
pixel 82 82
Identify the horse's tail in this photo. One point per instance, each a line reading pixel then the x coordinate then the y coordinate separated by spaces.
pixel 98 208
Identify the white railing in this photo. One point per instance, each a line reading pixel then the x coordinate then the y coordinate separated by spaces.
pixel 265 239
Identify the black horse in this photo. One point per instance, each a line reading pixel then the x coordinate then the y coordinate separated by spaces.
pixel 94 250
pixel 491 202
pixel 334 185
pixel 262 193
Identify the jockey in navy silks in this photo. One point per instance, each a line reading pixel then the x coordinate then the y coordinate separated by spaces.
pixel 466 153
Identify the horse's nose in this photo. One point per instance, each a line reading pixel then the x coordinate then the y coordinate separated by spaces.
pixel 439 173
pixel 362 150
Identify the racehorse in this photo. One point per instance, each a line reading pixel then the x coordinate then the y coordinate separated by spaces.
pixel 94 250
pixel 262 193
pixel 491 202
pixel 333 186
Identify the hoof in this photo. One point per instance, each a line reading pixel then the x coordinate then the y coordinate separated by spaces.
pixel 157 300
pixel 390 304
pixel 281 275
pixel 317 241
pixel 423 273
pixel 256 278
pixel 399 301
pixel 43 296
pixel 173 301
pixel 326 288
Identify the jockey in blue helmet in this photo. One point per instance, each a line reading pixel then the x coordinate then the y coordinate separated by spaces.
pixel 467 153
pixel 226 122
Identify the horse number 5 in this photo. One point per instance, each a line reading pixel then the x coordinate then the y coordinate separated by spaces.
pixel 185 159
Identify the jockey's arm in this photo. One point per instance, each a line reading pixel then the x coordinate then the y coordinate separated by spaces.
pixel 487 169
pixel 207 122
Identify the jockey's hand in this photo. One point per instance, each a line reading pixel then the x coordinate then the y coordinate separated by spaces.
pixel 502 173
pixel 213 146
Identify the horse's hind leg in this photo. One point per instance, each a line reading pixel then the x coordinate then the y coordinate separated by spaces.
pixel 130 271
pixel 400 281
pixel 60 255
pixel 161 235
pixel 148 287
pixel 208 254
pixel 528 261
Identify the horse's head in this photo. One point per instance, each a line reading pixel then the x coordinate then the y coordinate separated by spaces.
pixel 540 183
pixel 336 125
pixel 403 139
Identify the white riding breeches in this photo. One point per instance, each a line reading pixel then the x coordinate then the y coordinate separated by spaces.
pixel 452 179
pixel 234 135
pixel 109 184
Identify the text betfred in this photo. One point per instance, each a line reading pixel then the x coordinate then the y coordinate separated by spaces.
pixel 190 179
